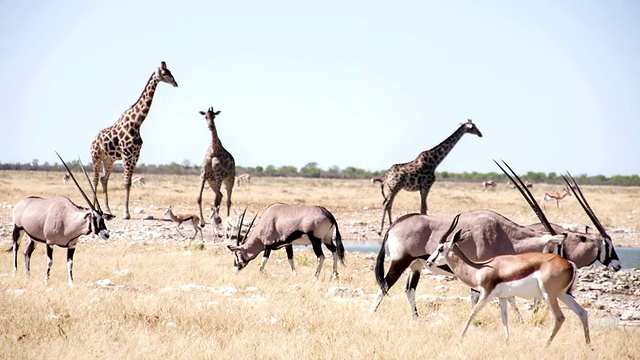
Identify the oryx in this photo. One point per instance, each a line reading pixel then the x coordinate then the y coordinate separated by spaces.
pixel 56 221
pixel 283 225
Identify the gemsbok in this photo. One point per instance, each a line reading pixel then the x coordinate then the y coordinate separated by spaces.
pixel 413 237
pixel 283 225
pixel 180 219
pixel 550 196
pixel 529 275
pixel 56 221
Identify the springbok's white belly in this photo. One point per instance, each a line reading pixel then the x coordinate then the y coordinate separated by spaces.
pixel 528 287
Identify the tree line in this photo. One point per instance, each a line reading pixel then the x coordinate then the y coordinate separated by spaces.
pixel 312 170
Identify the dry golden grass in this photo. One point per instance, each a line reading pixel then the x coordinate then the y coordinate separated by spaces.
pixel 174 305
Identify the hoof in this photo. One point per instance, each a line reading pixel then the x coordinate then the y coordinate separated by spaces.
pixel 126 216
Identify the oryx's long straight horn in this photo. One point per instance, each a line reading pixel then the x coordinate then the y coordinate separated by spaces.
pixel 76 182
pixel 524 190
pixel 585 205
pixel 93 191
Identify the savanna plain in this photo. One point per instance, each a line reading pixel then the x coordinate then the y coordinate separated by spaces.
pixel 144 294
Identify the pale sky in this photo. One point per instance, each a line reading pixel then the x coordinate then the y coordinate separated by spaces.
pixel 552 85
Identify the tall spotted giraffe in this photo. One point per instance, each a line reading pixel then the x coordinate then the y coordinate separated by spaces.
pixel 122 141
pixel 218 167
pixel 419 174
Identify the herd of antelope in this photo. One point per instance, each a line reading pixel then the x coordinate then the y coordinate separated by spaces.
pixel 493 255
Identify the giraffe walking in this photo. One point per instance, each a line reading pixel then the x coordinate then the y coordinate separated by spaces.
pixel 218 167
pixel 122 140
pixel 419 174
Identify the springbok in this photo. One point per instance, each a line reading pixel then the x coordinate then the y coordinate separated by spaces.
pixel 549 196
pixel 283 225
pixel 530 275
pixel 56 221
pixel 489 184
pixel 65 179
pixel 180 219
pixel 138 180
pixel 243 178
pixel 413 237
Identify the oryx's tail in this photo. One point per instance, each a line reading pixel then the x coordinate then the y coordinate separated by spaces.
pixel 379 268
pixel 339 244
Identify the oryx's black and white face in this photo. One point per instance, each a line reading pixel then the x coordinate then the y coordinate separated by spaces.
pixel 239 261
pixel 99 225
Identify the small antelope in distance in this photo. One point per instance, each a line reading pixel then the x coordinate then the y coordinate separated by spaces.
pixel 527 183
pixel 283 225
pixel 549 196
pixel 180 219
pixel 56 221
pixel 65 179
pixel 529 275
pixel 138 180
pixel 243 178
pixel 489 184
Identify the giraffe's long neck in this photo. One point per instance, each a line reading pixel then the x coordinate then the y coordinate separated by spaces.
pixel 215 140
pixel 440 151
pixel 138 111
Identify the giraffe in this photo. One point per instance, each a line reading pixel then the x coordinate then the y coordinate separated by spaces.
pixel 122 141
pixel 218 167
pixel 419 174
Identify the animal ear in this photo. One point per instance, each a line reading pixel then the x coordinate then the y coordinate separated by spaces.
pixel 588 230
pixel 217 112
pixel 201 112
pixel 163 65
pixel 457 236
pixel 108 216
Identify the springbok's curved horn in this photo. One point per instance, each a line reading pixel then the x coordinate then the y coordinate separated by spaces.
pixel 454 223
pixel 527 196
pixel 585 205
pixel 76 182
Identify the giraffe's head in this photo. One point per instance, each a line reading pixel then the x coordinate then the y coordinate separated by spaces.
pixel 164 74
pixel 471 128
pixel 210 115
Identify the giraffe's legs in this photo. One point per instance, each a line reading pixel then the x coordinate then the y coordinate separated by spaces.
pixel 107 164
pixel 424 192
pixel 199 200
pixel 387 204
pixel 229 186
pixel 129 164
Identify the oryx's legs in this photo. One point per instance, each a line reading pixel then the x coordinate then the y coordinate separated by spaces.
pixel 49 262
pixel 396 268
pixel 317 249
pixel 70 252
pixel 412 283
pixel 16 245
pixel 265 258
pixel 289 250
pixel 31 245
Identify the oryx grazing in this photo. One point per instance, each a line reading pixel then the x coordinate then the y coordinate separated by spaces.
pixel 56 221
pixel 180 219
pixel 529 275
pixel 413 237
pixel 283 225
